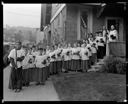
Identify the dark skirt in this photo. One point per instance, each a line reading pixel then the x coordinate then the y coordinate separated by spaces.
pixel 100 52
pixel 89 61
pixel 34 74
pixel 15 80
pixel 51 68
pixel 80 64
pixel 70 64
pixel 25 77
pixel 84 64
pixel 104 53
pixel 59 66
pixel 41 72
pixel 55 67
pixel 31 74
pixel 44 74
pixel 75 65
pixel 47 71
pixel 66 65
pixel 94 58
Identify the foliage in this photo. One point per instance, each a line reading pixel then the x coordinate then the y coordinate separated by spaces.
pixel 114 65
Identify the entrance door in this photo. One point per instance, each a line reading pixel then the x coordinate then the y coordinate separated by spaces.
pixel 114 22
pixel 118 24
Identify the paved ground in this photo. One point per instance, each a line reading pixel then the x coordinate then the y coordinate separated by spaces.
pixel 31 93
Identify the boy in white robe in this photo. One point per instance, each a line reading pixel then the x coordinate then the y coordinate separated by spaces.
pixel 94 53
pixel 65 54
pixel 75 57
pixel 40 62
pixel 25 66
pixel 70 56
pixel 89 54
pixel 85 58
pixel 52 59
pixel 59 59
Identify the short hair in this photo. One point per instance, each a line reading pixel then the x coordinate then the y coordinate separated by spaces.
pixel 18 42
pixel 33 46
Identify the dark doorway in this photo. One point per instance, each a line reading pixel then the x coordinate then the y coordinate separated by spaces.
pixel 114 22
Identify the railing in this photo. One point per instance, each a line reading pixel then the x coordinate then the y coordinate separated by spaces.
pixel 117 48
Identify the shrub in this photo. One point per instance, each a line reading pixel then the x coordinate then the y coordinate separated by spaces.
pixel 114 65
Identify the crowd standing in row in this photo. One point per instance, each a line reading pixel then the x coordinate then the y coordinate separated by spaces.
pixel 32 64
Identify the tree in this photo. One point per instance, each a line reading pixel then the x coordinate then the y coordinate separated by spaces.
pixel 18 36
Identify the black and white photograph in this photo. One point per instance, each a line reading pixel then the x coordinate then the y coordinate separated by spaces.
pixel 64 52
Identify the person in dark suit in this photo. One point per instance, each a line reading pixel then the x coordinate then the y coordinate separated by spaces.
pixel 16 57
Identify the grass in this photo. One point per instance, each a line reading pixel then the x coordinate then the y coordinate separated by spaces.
pixel 91 86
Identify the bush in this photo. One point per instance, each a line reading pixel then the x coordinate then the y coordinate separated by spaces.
pixel 114 65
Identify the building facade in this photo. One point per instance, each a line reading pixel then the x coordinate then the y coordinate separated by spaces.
pixel 72 22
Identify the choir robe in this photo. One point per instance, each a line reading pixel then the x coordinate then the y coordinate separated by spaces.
pixel 84 53
pixel 31 67
pixel 59 60
pixel 94 54
pixel 70 58
pixel 33 71
pixel 25 67
pixel 90 55
pixel 80 62
pixel 48 63
pixel 40 74
pixel 52 63
pixel 100 52
pixel 115 34
pixel 75 59
pixel 55 62
pixel 66 59
pixel 15 80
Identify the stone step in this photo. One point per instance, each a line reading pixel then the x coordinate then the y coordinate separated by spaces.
pixel 100 63
pixel 96 66
pixel 92 69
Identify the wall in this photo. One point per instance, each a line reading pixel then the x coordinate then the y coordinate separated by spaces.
pixel 58 27
pixel 71 24
pixel 97 22
pixel 55 7
pixel 45 15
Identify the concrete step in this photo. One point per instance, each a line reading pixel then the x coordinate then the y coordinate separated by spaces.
pixel 96 66
pixel 92 69
pixel 100 63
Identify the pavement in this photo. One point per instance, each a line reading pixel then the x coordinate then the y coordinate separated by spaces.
pixel 45 92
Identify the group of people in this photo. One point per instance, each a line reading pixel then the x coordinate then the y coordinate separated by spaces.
pixel 32 64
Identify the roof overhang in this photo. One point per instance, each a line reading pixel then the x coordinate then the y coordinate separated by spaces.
pixel 110 9
pixel 93 4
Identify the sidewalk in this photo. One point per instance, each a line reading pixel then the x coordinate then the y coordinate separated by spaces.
pixel 31 93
